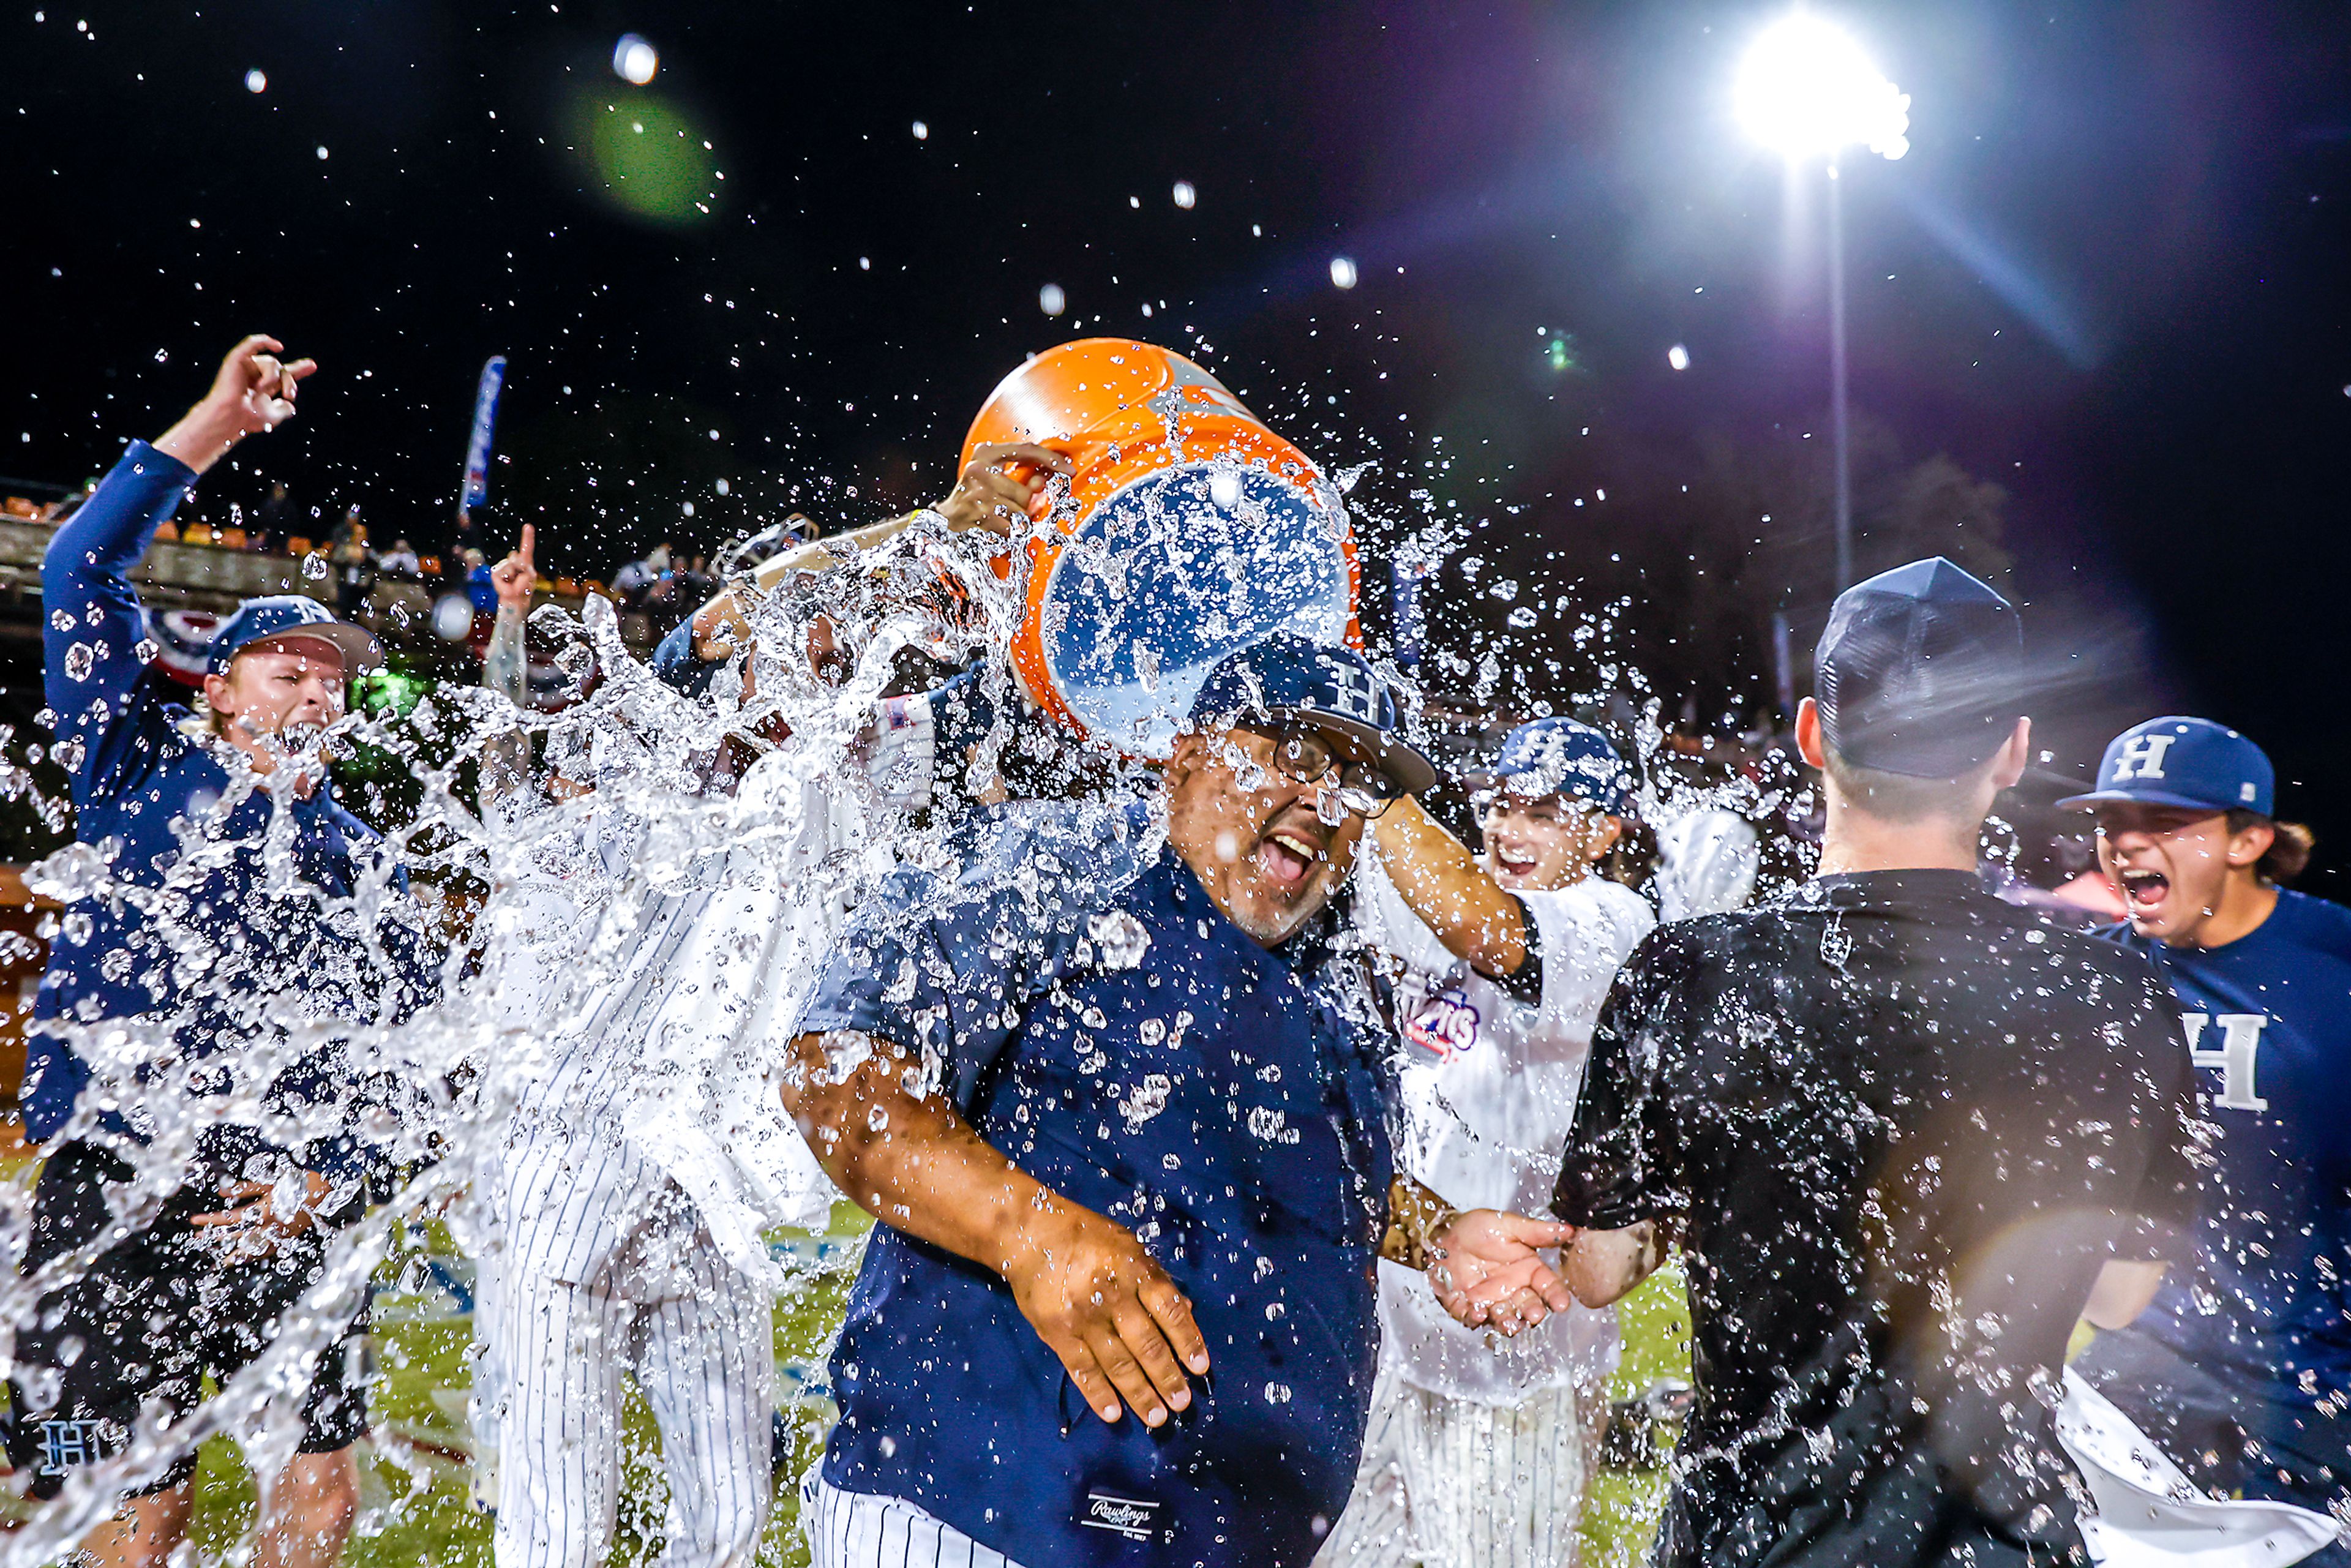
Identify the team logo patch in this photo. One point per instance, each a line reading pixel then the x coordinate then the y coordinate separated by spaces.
pixel 1448 1026
pixel 65 1444
pixel 2141 757
pixel 1134 1518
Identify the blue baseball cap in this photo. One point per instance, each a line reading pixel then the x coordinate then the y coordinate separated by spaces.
pixel 1334 689
pixel 1557 756
pixel 1919 671
pixel 2191 763
pixel 292 615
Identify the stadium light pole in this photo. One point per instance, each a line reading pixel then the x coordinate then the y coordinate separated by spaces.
pixel 1807 90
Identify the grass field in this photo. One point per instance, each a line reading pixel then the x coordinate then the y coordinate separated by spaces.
pixel 416 1506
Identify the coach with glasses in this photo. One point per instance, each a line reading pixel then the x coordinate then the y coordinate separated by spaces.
pixel 1116 1098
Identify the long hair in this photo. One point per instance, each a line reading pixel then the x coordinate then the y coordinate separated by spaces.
pixel 2288 855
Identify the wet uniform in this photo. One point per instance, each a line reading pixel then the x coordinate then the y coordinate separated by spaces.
pixel 1902 1125
pixel 1476 1456
pixel 2254 1343
pixel 1097 1019
pixel 186 929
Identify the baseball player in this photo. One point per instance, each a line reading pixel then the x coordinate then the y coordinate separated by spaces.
pixel 650 1150
pixel 1477 1447
pixel 1909 1133
pixel 646 1158
pixel 2241 1367
pixel 229 908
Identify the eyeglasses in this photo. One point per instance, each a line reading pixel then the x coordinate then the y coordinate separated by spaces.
pixel 1306 756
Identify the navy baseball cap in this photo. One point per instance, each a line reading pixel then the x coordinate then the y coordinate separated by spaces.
pixel 1919 671
pixel 292 615
pixel 2187 762
pixel 1560 757
pixel 1287 676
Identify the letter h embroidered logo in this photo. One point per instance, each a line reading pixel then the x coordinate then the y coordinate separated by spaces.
pixel 2141 757
pixel 65 1444
pixel 1354 692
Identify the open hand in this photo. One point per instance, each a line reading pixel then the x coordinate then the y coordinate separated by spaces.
pixel 1489 1273
pixel 990 495
pixel 250 1224
pixel 1113 1315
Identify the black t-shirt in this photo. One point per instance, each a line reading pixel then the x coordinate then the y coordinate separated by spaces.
pixel 1904 1123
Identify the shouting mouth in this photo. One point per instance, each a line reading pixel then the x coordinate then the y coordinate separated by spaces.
pixel 1287 858
pixel 1513 860
pixel 2147 890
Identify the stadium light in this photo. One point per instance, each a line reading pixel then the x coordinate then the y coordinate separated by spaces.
pixel 1806 91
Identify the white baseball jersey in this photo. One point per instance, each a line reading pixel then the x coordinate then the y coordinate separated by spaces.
pixel 648 1152
pixel 1489 1088
pixel 668 1065
pixel 1707 862
pixel 1466 1484
pixel 862 1529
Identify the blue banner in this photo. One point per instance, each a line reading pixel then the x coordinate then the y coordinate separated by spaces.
pixel 1405 579
pixel 486 419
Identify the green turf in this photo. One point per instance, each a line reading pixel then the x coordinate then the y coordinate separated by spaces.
pixel 1621 1506
pixel 417 1512
pixel 420 1515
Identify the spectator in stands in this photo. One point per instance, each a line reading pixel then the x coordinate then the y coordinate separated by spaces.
pixel 353 564
pixel 400 561
pixel 275 520
pixel 481 587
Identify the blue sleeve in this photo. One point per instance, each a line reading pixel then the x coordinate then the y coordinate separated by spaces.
pixel 961 716
pixel 676 664
pixel 891 976
pixel 90 621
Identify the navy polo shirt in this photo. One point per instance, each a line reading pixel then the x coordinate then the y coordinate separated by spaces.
pixel 1097 1021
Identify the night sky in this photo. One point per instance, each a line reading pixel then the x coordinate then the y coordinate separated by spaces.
pixel 2109 277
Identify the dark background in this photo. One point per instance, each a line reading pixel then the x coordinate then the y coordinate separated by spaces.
pixel 2097 312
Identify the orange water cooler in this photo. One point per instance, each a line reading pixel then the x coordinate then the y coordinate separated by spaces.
pixel 1193 530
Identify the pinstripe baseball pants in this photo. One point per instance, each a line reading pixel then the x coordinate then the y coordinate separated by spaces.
pixel 697 1336
pixel 858 1529
pixel 1449 1483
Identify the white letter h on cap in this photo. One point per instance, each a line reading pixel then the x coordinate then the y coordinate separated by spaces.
pixel 1357 697
pixel 2142 757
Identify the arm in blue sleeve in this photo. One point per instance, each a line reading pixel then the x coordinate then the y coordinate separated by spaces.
pixel 90 626
pixel 962 714
pixel 676 662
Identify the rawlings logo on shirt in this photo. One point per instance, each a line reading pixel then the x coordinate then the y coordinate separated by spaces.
pixel 1134 1517
pixel 1447 1026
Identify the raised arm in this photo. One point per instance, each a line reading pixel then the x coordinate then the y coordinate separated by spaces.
pixel 1083 1281
pixel 91 625
pixel 504 669
pixel 1442 883
pixel 989 494
pixel 506 758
